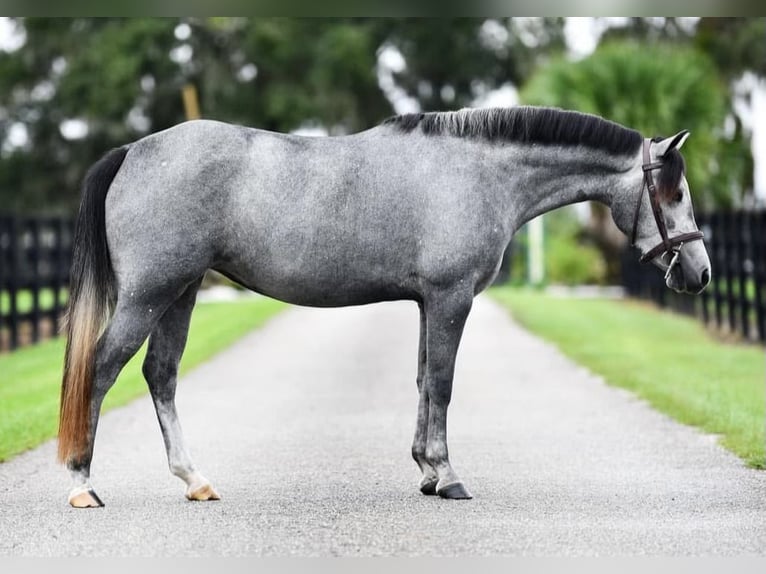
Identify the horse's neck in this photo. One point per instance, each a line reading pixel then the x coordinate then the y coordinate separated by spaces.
pixel 546 177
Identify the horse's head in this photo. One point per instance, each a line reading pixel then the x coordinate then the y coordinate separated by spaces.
pixel 662 219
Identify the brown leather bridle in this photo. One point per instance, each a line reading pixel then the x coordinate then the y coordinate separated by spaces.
pixel 669 244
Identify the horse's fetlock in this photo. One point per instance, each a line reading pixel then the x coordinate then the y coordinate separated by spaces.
pixel 179 470
pixel 418 453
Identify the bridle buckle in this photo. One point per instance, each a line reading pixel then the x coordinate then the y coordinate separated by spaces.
pixel 676 251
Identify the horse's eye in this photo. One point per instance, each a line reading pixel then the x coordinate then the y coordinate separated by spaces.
pixel 678 196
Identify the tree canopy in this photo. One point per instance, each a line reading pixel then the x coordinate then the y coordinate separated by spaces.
pixel 122 78
pixel 657 90
pixel 76 87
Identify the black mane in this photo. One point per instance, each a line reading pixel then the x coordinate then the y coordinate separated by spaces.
pixel 551 126
pixel 525 124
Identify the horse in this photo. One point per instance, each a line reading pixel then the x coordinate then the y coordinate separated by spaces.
pixel 420 207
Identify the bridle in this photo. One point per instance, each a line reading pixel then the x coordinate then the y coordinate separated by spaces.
pixel 669 244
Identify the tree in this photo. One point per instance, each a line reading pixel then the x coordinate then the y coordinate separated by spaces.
pixel 89 69
pixel 452 61
pixel 736 46
pixel 122 77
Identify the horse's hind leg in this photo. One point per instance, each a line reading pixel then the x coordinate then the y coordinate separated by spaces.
pixel 166 345
pixel 446 315
pixel 127 330
pixel 429 480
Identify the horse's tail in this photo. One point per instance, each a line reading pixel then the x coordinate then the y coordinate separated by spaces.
pixel 91 298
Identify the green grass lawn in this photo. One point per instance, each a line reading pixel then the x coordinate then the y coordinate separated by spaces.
pixel 669 360
pixel 30 378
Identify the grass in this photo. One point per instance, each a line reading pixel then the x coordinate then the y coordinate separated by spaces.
pixel 669 360
pixel 30 378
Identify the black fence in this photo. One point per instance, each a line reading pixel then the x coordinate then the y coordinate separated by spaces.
pixel 735 301
pixel 35 255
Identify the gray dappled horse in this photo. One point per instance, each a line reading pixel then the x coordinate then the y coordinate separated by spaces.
pixel 420 207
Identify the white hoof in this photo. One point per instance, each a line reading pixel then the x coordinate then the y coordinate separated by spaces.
pixel 203 492
pixel 84 497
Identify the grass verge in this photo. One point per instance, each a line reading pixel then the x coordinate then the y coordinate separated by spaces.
pixel 30 378
pixel 669 360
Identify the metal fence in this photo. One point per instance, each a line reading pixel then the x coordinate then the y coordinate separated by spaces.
pixel 35 256
pixel 735 301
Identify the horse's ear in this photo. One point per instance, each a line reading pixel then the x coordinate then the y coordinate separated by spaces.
pixel 675 142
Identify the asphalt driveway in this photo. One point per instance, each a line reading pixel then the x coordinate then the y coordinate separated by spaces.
pixel 305 426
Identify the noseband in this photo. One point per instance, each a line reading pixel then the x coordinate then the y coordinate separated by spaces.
pixel 669 244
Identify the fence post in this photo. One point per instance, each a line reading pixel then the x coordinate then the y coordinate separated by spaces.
pixel 57 251
pixel 704 222
pixel 4 229
pixel 715 282
pixel 34 283
pixel 13 270
pixel 757 232
pixel 731 306
pixel 745 241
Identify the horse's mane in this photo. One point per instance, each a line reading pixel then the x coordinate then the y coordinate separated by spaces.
pixel 540 125
pixel 525 124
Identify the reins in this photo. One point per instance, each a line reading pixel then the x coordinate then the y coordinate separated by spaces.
pixel 669 244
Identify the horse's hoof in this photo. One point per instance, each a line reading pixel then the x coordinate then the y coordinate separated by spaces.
pixel 428 485
pixel 204 492
pixel 84 498
pixel 454 491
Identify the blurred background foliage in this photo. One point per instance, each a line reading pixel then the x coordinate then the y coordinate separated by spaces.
pixel 74 87
pixel 571 255
pixel 123 78
pixel 669 79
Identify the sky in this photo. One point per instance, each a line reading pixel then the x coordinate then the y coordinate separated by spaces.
pixel 582 35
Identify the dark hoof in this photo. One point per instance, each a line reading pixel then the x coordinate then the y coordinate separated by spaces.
pixel 455 491
pixel 428 486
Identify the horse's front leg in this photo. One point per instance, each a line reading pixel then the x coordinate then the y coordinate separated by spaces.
pixel 430 478
pixel 446 314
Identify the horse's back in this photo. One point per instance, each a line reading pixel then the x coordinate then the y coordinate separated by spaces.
pixel 319 221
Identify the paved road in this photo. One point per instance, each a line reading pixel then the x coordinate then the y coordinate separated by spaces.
pixel 305 429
